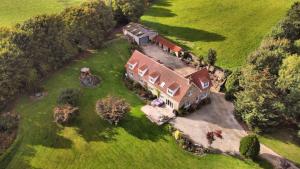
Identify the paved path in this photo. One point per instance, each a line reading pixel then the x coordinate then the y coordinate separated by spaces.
pixel 218 116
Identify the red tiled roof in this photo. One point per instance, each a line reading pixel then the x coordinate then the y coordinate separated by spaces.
pixel 168 44
pixel 166 75
pixel 200 76
pixel 144 67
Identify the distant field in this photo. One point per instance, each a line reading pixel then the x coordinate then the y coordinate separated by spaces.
pixel 232 27
pixel 16 11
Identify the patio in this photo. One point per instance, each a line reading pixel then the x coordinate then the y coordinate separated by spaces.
pixel 156 113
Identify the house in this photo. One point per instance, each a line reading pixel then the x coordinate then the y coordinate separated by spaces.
pixel 138 33
pixel 167 45
pixel 173 88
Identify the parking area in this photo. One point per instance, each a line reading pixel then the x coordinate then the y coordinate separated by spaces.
pixel 167 59
pixel 219 116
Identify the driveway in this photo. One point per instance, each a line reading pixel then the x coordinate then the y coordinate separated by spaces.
pixel 219 116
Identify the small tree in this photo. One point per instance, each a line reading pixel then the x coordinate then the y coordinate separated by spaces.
pixel 69 96
pixel 65 113
pixel 212 56
pixel 112 109
pixel 249 146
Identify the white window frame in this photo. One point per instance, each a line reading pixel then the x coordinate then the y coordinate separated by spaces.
pixel 142 72
pixel 190 93
pixel 152 80
pixel 132 66
pixel 162 84
pixel 205 85
pixel 172 92
pixel 130 74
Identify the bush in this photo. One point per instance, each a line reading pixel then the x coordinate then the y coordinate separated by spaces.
pixel 112 109
pixel 232 85
pixel 249 146
pixel 69 96
pixel 65 113
pixel 8 121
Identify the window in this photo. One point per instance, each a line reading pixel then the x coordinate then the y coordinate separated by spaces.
pixel 130 74
pixel 205 84
pixel 203 96
pixel 187 104
pixel 152 80
pixel 170 92
pixel 190 93
pixel 142 72
pixel 132 66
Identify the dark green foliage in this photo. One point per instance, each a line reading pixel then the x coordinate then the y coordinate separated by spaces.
pixel 88 25
pixel 8 121
pixel 127 10
pixel 211 57
pixel 249 146
pixel 45 43
pixel 257 104
pixel 289 27
pixel 232 84
pixel 69 96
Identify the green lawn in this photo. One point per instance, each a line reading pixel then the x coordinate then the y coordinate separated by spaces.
pixel 283 143
pixel 233 27
pixel 16 11
pixel 90 142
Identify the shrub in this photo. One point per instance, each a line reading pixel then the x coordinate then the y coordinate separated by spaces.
pixel 232 85
pixel 212 56
pixel 69 96
pixel 112 109
pixel 8 121
pixel 65 113
pixel 177 134
pixel 249 146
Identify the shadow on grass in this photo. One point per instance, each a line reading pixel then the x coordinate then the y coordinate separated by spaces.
pixel 160 12
pixel 185 33
pixel 162 3
pixel 142 128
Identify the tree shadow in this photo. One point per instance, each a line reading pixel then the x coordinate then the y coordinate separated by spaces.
pixel 96 130
pixel 162 3
pixel 160 12
pixel 143 129
pixel 185 33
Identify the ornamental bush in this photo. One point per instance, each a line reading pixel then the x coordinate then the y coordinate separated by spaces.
pixel 112 109
pixel 69 96
pixel 249 146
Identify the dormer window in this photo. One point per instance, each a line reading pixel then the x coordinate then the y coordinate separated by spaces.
pixel 142 70
pixel 132 65
pixel 205 84
pixel 172 89
pixel 153 77
pixel 162 84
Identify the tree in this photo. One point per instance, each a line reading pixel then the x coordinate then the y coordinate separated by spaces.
pixel 65 113
pixel 290 25
pixel 232 84
pixel 112 109
pixel 127 10
pixel 289 82
pixel 258 104
pixel 212 56
pixel 89 24
pixel 249 146
pixel 69 96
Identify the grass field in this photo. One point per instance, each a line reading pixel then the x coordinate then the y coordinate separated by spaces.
pixel 233 27
pixel 90 142
pixel 16 11
pixel 283 143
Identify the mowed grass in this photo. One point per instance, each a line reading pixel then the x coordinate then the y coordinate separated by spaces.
pixel 233 27
pixel 92 143
pixel 283 143
pixel 16 11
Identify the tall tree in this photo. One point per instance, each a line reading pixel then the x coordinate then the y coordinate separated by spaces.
pixel 127 10
pixel 289 82
pixel 212 56
pixel 257 104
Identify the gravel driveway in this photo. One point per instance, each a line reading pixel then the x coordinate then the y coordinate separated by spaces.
pixel 218 116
